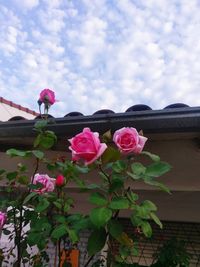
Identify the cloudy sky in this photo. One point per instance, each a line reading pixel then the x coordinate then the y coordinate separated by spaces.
pixel 99 54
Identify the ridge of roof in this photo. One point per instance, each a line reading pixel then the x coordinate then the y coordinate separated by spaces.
pixel 173 119
pixel 17 106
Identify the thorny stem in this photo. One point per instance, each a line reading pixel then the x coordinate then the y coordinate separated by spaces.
pixel 108 178
pixel 105 174
pixel 35 171
pixel 18 233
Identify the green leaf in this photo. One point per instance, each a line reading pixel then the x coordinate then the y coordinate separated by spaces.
pixel 107 136
pixel 83 223
pixel 82 169
pixel 59 231
pixel 142 212
pixel 151 156
pixel 60 218
pixel 17 153
pixel 133 196
pixel 11 175
pixel 138 168
pixel 161 186
pixel 156 219
pixel 33 238
pixel 58 204
pixel 2 171
pixel 21 167
pixel 125 240
pixel 110 155
pixel 135 220
pixel 119 166
pixel 146 229
pixel 29 197
pixel 96 241
pixel 157 169
pixel 98 199
pixel 72 235
pixel 40 124
pixel 47 142
pixel 38 154
pixel 134 176
pixel 45 139
pixel 43 205
pixel 149 205
pixel 23 179
pixel 37 140
pixel 100 216
pixel 115 228
pixel 116 184
pixel 35 186
pixel 118 203
pixel 93 186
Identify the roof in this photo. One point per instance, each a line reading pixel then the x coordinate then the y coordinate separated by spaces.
pixel 176 118
pixel 14 105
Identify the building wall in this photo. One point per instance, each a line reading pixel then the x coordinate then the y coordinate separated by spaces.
pixel 183 179
pixel 7 112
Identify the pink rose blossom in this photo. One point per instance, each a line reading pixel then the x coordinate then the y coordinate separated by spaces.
pixel 87 146
pixel 60 180
pixel 2 219
pixel 47 96
pixel 47 182
pixel 128 140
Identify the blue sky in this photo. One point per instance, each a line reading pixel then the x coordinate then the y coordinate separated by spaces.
pixel 99 54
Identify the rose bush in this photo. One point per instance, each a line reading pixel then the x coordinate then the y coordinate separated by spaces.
pixel 43 203
pixel 86 146
pixel 128 140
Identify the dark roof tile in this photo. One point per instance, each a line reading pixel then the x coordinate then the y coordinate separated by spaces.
pixel 104 111
pixel 177 105
pixel 74 114
pixel 139 107
pixel 17 118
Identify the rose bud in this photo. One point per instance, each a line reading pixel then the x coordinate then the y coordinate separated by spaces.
pixel 60 180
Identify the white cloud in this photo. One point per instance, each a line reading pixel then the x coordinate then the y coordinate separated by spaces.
pixel 26 4
pixel 101 54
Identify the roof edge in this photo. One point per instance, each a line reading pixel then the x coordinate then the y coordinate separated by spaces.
pixel 12 104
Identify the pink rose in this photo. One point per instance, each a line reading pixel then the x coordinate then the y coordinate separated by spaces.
pixel 47 182
pixel 60 180
pixel 128 140
pixel 2 219
pixel 86 146
pixel 47 96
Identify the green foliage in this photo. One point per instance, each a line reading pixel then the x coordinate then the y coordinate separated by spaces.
pixel 173 254
pixel 157 169
pixel 151 156
pixel 115 228
pixel 45 140
pixel 40 125
pixel 96 241
pixel 98 199
pixel 59 231
pixel 50 215
pixel 100 216
pixel 119 166
pixel 118 203
pixel 110 155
